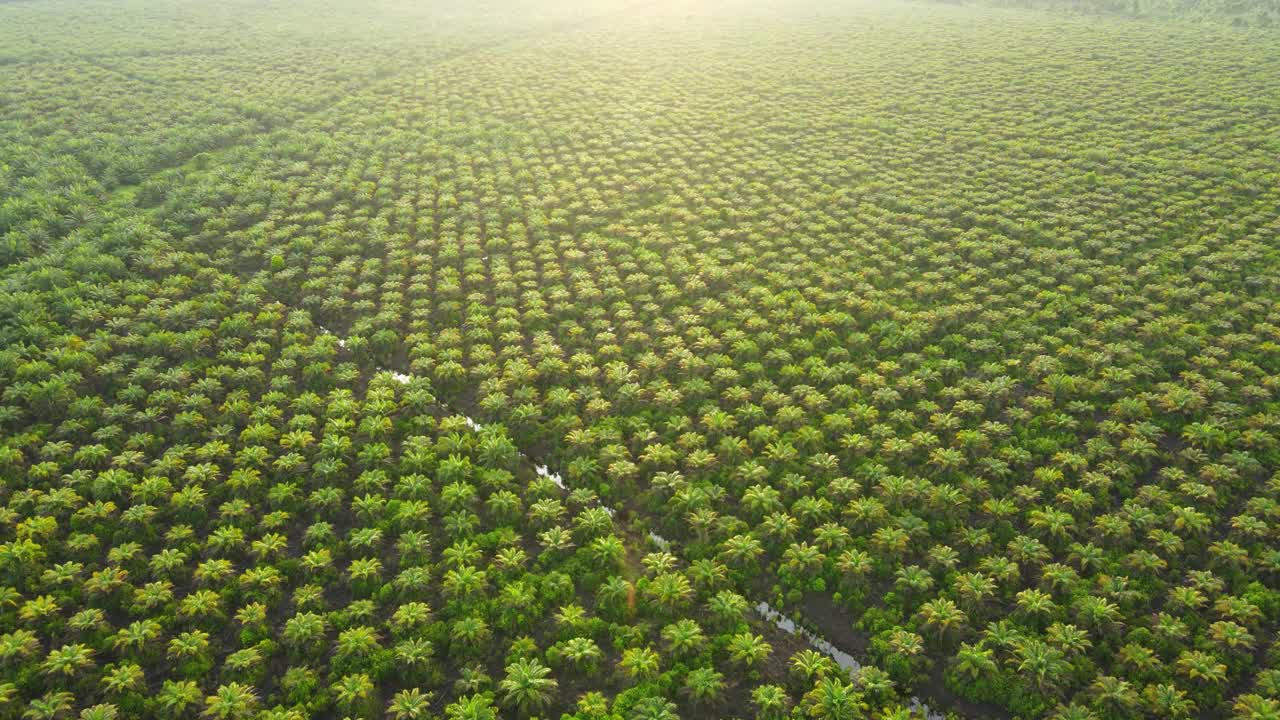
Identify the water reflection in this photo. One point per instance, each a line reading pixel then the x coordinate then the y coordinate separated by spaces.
pixel 822 645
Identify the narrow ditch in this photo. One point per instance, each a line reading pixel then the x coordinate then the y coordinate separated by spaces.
pixel 844 659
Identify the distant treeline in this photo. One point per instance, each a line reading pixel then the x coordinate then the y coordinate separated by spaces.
pixel 1252 13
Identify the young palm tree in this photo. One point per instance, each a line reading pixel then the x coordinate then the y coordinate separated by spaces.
pixel 771 701
pixel 583 652
pixel 174 698
pixel 684 637
pixel 834 699
pixel 472 707
pixel 468 635
pixel 1043 664
pixel 973 589
pixel 122 679
pixel 942 615
pixel 101 711
pixel 1168 700
pixel 669 591
pixel 305 630
pixel 808 666
pixel 654 708
pixel 357 642
pixel 974 661
pixel 748 650
pixel 1202 667
pixel 704 685
pixel 639 663
pixel 1255 707
pixel 1114 696
pixel 232 701
pixel 527 686
pixel 411 704
pixel 728 608
pixel 68 660
pixel 353 692
pixel 50 706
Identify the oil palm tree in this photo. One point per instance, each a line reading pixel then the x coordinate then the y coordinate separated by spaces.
pixel 640 663
pixel 704 686
pixel 1169 701
pixel 684 637
pixel 1114 696
pixel 654 708
pixel 834 699
pixel 527 686
pixel 174 697
pixel 943 616
pixel 974 661
pixel 583 652
pixel 50 706
pixel 69 660
pixel 748 649
pixel 1043 664
pixel 353 692
pixel 771 701
pixel 472 707
pixel 231 701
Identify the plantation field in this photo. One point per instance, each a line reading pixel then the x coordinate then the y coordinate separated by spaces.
pixel 637 360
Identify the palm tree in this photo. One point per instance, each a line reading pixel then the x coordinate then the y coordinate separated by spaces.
pixel 414 655
pixel 684 637
pixel 1068 638
pixel 68 660
pixel 974 661
pixel 583 652
pixel 616 594
pixel 1035 604
pixel 905 643
pixel 704 685
pixel 305 630
pixel 973 589
pixel 231 702
pixel 50 706
pixel 1115 696
pixel 593 704
pixel 654 708
pixel 527 686
pixel 1255 707
pixel 1231 636
pixel 1073 711
pixel 1096 612
pixel 728 608
pixel 708 574
pixel 353 692
pixel 1167 700
pixel 175 697
pixel 942 615
pixel 809 666
pixel 748 649
pixel 471 679
pixel 411 704
pixel 360 641
pixel 465 582
pixel 834 699
pixel 472 707
pixel 19 644
pixel 854 565
pixel 607 553
pixel 1202 667
pixel 102 711
pixel 122 679
pixel 640 663
pixel 1042 663
pixel 771 701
